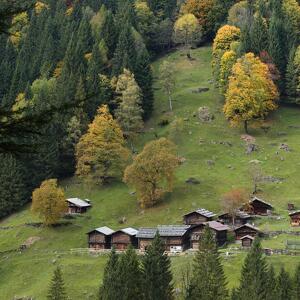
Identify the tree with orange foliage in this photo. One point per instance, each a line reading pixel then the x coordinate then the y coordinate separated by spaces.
pixel 152 171
pixel 201 10
pixel 101 152
pixel 251 93
pixel 232 201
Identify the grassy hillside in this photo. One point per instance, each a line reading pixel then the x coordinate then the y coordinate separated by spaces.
pixel 28 273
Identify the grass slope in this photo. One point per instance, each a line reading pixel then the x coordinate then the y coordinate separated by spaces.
pixel 28 273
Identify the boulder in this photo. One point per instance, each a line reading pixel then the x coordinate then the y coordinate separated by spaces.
pixel 205 115
pixel 285 147
pixel 192 180
pixel 251 148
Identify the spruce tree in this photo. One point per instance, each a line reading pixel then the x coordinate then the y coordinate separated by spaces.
pixel 296 283
pixel 109 290
pixel 130 276
pixel 57 287
pixel 259 34
pixel 283 286
pixel 271 284
pixel 253 283
pixel 208 281
pixel 157 273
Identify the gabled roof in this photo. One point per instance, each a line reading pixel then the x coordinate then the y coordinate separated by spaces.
pixel 105 230
pixel 78 202
pixel 261 201
pixel 217 226
pixel 203 212
pixel 247 237
pixel 164 231
pixel 130 231
pixel 294 213
pixel 247 225
pixel 239 213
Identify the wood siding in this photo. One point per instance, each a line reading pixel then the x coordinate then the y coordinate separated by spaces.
pixel 195 218
pixel 239 233
pixel 121 240
pixel 295 220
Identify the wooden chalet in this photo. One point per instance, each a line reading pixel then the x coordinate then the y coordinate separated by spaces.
pixel 247 241
pixel 175 237
pixel 198 216
pixel 78 206
pixel 121 239
pixel 246 229
pixel 100 238
pixel 295 218
pixel 259 207
pixel 241 218
pixel 220 231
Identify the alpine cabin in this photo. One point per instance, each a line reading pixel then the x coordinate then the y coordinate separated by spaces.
pixel 295 218
pixel 100 238
pixel 198 216
pixel 122 238
pixel 78 206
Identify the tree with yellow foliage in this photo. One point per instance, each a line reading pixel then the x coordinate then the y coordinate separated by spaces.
pixel 227 61
pixel 251 92
pixel 49 202
pixel 101 152
pixel 187 31
pixel 152 171
pixel 226 36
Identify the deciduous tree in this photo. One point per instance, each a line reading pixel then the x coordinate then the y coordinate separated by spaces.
pixel 251 93
pixel 101 152
pixel 152 171
pixel 49 202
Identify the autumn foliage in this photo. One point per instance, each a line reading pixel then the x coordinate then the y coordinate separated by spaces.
pixel 152 171
pixel 101 152
pixel 49 202
pixel 251 92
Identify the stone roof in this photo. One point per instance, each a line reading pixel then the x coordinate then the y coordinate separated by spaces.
pixel 105 230
pixel 203 212
pixel 217 226
pixel 294 213
pixel 239 213
pixel 247 225
pixel 164 231
pixel 262 201
pixel 129 231
pixel 247 237
pixel 78 202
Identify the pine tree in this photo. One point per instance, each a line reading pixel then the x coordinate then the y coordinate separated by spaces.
pixel 144 78
pixel 208 281
pixel 57 287
pixel 296 283
pixel 12 189
pixel 157 272
pixel 283 286
pixel 253 283
pixel 109 289
pixel 271 284
pixel 130 276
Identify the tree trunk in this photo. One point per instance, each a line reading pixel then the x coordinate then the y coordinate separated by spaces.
pixel 170 101
pixel 246 126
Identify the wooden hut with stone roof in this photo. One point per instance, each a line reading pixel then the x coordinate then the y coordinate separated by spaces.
pixel 198 216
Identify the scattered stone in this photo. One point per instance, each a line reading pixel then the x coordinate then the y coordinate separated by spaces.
pixel 200 90
pixel 255 161
pixel 210 163
pixel 229 166
pixel 192 180
pixel 30 241
pixel 248 138
pixel 211 81
pixel 285 147
pixel 251 148
pixel 54 261
pixel 281 133
pixel 205 115
pixel 225 143
pixel 132 193
pixel 282 158
pixel 181 160
pixel 122 220
pixel 201 141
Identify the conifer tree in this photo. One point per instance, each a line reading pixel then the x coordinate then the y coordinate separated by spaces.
pixel 283 286
pixel 208 281
pixel 57 287
pixel 296 283
pixel 130 276
pixel 109 289
pixel 157 272
pixel 259 34
pixel 253 283
pixel 271 284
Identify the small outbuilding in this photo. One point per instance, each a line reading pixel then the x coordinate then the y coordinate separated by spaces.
pixel 122 238
pixel 247 241
pixel 295 218
pixel 78 206
pixel 245 230
pixel 241 218
pixel 259 206
pixel 175 237
pixel 198 216
pixel 100 238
